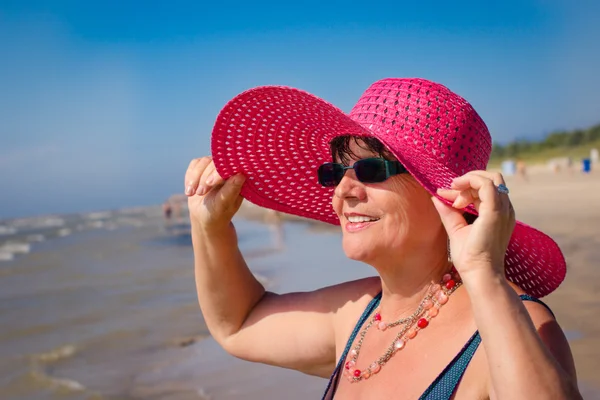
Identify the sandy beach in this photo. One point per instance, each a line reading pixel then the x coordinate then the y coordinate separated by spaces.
pixel 567 207
pixel 110 312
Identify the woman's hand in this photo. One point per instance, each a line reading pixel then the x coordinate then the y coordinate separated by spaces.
pixel 212 201
pixel 481 245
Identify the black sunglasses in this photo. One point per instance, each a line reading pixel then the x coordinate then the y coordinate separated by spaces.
pixel 367 170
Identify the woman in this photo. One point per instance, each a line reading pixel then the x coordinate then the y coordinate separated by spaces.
pixel 441 319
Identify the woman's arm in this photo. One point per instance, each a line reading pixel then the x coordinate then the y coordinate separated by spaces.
pixel 522 364
pixel 294 330
pixel 227 289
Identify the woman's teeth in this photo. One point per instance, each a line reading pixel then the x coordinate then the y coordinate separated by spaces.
pixel 361 218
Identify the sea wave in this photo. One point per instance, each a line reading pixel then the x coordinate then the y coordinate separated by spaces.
pixel 7 230
pixel 98 215
pixel 37 237
pixel 47 221
pixel 63 232
pixel 128 221
pixel 95 224
pixel 9 249
pixel 40 374
pixel 57 383
pixel 15 247
pixel 56 354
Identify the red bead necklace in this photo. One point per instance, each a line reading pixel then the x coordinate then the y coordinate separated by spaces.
pixel 437 295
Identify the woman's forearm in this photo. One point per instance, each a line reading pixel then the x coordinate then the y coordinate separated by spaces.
pixel 521 366
pixel 227 289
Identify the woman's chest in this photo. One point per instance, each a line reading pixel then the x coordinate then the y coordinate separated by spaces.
pixel 438 357
pixel 411 378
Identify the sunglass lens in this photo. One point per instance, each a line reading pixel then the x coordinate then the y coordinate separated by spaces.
pixel 370 170
pixel 330 174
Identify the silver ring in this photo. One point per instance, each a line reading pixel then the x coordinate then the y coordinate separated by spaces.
pixel 502 188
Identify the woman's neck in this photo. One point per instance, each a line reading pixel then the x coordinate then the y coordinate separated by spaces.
pixel 405 284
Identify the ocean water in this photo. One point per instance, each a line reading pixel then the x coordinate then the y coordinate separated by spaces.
pixel 103 305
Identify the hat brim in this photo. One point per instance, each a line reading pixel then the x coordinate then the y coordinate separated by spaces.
pixel 278 137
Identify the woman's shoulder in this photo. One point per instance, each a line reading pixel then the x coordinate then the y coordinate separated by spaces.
pixel 357 293
pixel 354 297
pixel 345 299
pixel 538 311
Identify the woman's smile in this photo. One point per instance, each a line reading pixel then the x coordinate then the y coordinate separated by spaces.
pixel 357 222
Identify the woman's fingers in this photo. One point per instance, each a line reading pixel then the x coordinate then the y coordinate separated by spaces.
pixel 452 219
pixel 484 185
pixel 466 197
pixel 193 174
pixel 203 186
pixel 448 194
pixel 229 194
pixel 216 200
pixel 496 177
pixel 460 198
pixel 214 179
pixel 201 176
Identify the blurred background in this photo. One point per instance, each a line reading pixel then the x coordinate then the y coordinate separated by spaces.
pixel 103 105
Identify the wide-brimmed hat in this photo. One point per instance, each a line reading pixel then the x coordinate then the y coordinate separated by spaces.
pixel 278 137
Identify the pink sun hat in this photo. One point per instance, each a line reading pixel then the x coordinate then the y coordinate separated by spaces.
pixel 278 137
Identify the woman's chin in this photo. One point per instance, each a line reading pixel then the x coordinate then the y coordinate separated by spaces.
pixel 357 251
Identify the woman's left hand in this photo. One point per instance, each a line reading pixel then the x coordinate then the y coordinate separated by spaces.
pixel 481 245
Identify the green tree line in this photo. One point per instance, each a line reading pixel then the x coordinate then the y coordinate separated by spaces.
pixel 566 139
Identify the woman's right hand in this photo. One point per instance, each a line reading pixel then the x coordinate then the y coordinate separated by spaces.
pixel 212 201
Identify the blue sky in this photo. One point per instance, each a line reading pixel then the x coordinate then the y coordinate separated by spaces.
pixel 103 104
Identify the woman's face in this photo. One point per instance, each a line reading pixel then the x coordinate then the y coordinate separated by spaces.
pixel 384 220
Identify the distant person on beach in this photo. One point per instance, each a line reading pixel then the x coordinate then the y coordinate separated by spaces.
pixel 569 164
pixel 173 208
pixel 452 310
pixel 167 211
pixel 521 170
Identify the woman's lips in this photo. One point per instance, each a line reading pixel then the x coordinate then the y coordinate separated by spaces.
pixel 352 227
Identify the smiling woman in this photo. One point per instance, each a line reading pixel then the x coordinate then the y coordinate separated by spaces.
pixel 399 213
pixel 453 307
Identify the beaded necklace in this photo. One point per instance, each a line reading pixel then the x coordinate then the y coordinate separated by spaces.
pixel 437 295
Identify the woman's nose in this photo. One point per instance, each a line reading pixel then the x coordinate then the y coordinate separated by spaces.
pixel 350 187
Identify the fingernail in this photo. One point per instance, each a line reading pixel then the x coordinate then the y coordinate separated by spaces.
pixel 189 189
pixel 210 180
pixel 201 190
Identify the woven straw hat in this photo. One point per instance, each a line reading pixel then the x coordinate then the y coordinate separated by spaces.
pixel 279 136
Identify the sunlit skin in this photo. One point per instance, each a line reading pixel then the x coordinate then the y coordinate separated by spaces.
pixel 407 222
pixel 407 244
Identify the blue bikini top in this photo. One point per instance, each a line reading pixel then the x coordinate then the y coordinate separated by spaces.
pixel 445 384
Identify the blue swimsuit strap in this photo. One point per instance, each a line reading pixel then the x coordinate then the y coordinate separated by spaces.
pixel 445 384
pixel 527 297
pixel 333 380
